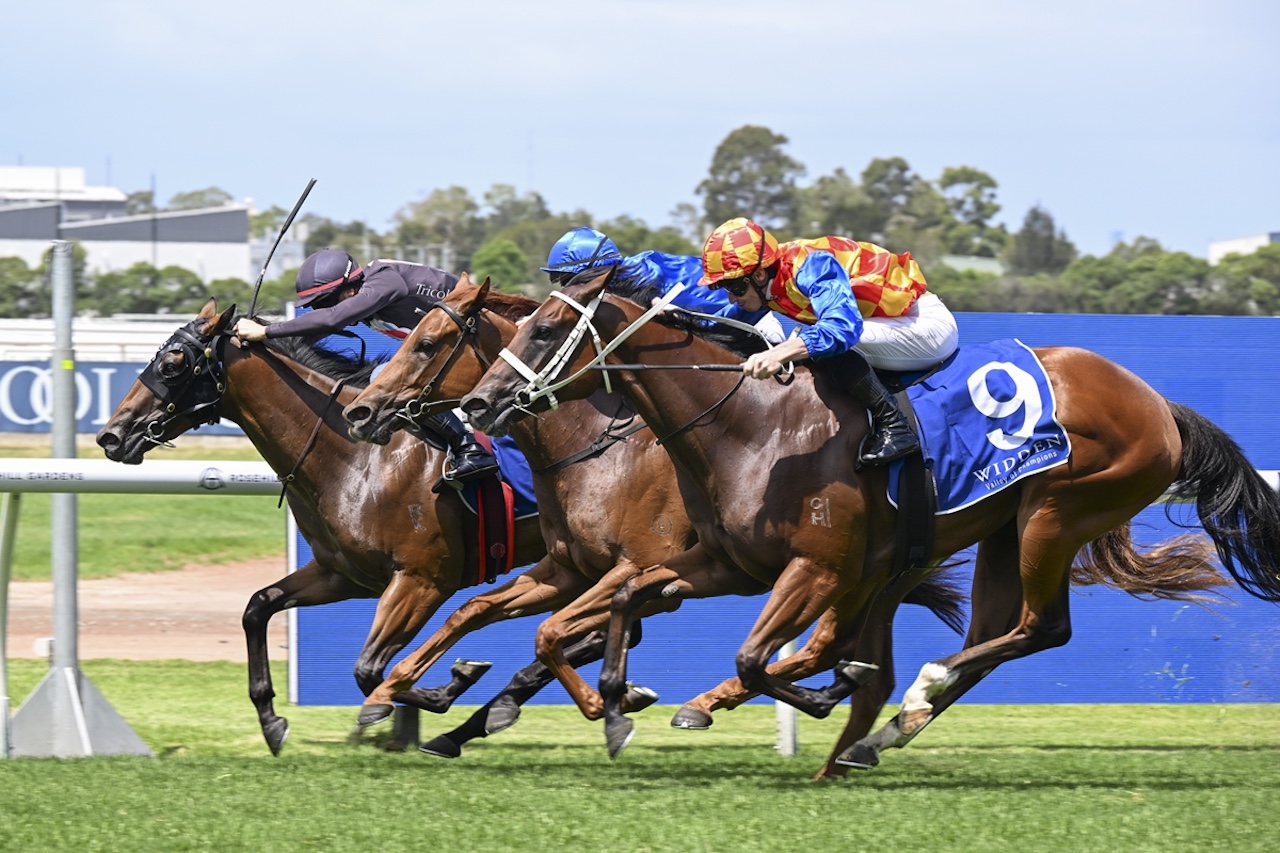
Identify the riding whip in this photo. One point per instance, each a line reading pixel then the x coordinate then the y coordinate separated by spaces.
pixel 283 228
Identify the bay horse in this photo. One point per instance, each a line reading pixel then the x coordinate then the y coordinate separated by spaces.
pixel 368 512
pixel 763 454
pixel 610 504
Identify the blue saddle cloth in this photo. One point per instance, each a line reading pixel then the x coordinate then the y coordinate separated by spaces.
pixel 515 473
pixel 987 419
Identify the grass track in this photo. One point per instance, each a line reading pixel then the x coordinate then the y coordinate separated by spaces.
pixel 1040 778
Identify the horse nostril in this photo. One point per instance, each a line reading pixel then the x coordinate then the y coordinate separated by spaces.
pixel 357 415
pixel 474 406
pixel 107 440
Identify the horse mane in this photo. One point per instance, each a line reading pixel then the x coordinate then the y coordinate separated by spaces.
pixel 330 363
pixel 736 341
pixel 513 306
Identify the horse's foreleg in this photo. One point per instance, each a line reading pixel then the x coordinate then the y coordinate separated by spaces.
pixel 502 711
pixel 803 591
pixel 589 612
pixel 546 586
pixel 312 584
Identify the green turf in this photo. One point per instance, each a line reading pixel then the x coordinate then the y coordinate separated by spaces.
pixel 1028 778
pixel 142 533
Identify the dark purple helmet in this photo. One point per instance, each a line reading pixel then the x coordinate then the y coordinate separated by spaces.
pixel 324 272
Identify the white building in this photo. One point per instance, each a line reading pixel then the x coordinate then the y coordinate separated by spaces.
pixel 1219 249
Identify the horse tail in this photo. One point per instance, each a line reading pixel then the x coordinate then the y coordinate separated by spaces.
pixel 1177 569
pixel 941 596
pixel 1237 508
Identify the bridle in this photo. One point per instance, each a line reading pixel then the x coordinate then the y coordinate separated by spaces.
pixel 468 328
pixel 193 391
pixel 543 383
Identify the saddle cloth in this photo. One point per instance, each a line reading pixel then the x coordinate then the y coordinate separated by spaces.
pixel 987 419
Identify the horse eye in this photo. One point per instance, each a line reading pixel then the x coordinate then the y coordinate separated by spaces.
pixel 172 368
pixel 426 345
pixel 543 332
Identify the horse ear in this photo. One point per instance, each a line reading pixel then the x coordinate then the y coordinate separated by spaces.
pixel 595 285
pixel 464 279
pixel 484 289
pixel 225 320
pixel 210 309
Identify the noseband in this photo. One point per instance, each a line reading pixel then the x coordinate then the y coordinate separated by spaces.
pixel 192 392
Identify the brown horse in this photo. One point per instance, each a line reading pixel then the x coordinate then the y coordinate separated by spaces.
pixel 610 506
pixel 763 454
pixel 375 527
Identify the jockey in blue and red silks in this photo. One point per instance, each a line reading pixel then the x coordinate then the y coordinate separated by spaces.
pixel 389 297
pixel 861 306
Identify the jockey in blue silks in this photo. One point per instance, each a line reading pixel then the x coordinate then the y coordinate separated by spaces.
pixel 586 248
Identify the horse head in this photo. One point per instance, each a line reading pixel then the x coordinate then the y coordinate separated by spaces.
pixel 548 360
pixel 440 360
pixel 179 389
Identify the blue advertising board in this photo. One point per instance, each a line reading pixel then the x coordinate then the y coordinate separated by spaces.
pixel 1122 650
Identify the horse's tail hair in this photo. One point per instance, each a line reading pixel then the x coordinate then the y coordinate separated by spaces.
pixel 1178 569
pixel 943 597
pixel 1236 506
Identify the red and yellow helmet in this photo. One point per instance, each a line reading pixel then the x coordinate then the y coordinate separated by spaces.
pixel 738 247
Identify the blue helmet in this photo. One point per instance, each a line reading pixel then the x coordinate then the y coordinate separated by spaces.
pixel 580 249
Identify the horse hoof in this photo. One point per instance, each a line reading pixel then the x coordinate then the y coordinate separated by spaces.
pixel 691 718
pixel 859 756
pixel 856 671
pixel 638 698
pixel 502 715
pixel 617 735
pixel 470 671
pixel 441 747
pixel 276 732
pixel 373 714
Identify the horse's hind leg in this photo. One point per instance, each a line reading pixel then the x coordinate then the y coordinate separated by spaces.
pixel 310 585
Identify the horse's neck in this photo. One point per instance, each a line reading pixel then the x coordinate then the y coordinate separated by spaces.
pixel 278 403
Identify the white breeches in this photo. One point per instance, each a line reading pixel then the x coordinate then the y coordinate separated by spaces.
pixel 923 336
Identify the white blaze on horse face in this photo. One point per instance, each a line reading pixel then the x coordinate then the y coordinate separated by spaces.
pixel 933 679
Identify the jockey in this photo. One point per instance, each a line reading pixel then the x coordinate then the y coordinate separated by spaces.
pixel 586 248
pixel 861 306
pixel 387 297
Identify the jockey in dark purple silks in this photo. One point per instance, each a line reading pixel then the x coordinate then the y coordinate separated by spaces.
pixel 388 296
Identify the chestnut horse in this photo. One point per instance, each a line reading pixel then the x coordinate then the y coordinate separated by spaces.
pixel 368 512
pixel 762 454
pixel 610 506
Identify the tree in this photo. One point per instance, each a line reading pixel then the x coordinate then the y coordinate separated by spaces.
pixel 19 288
pixel 197 199
pixel 971 198
pixel 503 262
pixel 144 289
pixel 140 202
pixel 836 204
pixel 1037 247
pixel 355 238
pixel 633 236
pixel 751 176
pixel 447 223
pixel 266 223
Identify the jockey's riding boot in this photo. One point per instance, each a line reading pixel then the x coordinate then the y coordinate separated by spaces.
pixel 470 459
pixel 892 436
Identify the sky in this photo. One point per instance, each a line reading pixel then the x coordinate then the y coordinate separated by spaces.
pixel 1121 119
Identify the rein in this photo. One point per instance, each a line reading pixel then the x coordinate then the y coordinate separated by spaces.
pixel 541 382
pixel 311 441
pixel 608 438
